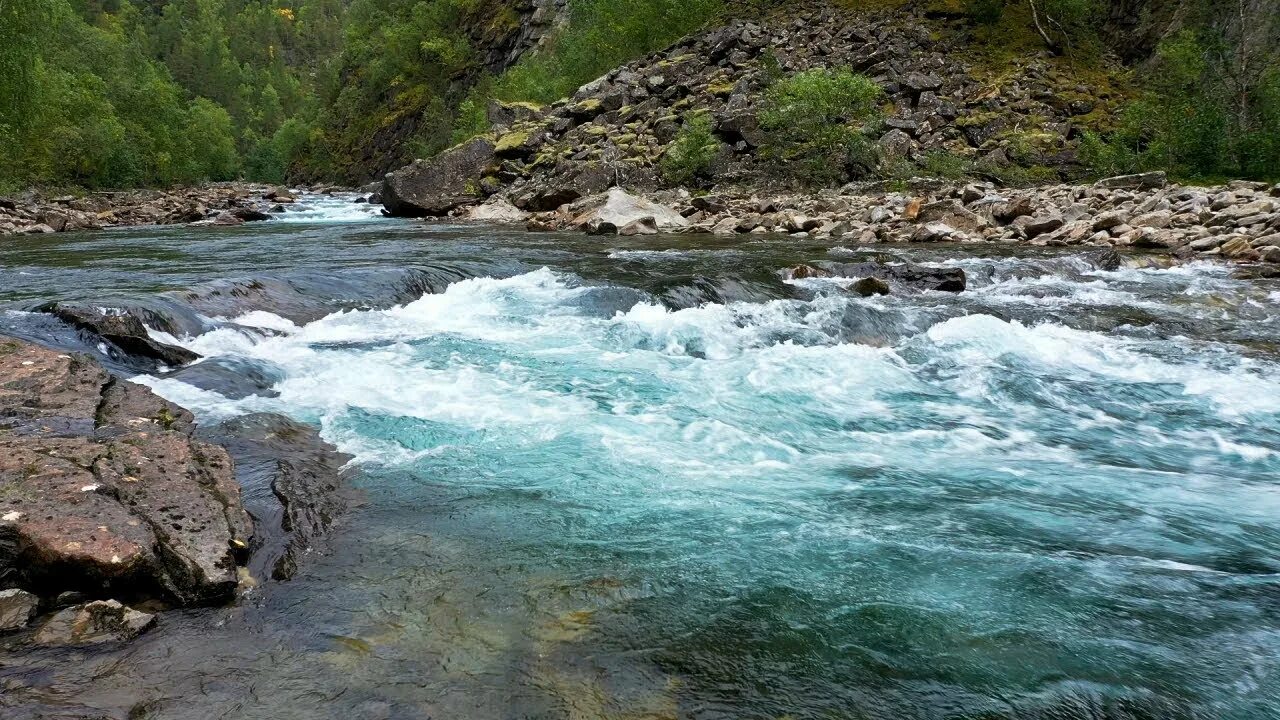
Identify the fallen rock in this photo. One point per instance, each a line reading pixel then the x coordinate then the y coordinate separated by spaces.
pixel 436 186
pixel 17 608
pixel 93 623
pixel 496 210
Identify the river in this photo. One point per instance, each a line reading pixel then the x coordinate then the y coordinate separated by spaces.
pixel 649 478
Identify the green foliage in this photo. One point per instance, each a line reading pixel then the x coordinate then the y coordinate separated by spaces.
pixel 815 124
pixel 133 92
pixel 1188 124
pixel 602 34
pixel 691 154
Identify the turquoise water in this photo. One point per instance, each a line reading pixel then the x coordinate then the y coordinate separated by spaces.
pixel 1054 496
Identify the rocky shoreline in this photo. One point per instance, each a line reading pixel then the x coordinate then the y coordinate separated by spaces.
pixel 113 500
pixel 36 213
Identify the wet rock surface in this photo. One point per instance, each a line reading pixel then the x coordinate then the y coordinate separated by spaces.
pixel 293 485
pixel 93 623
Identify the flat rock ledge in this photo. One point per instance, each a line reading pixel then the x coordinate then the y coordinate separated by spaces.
pixel 108 493
pixel 105 491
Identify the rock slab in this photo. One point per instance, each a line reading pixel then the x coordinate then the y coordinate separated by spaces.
pixel 104 489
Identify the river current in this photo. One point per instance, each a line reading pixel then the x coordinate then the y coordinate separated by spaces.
pixel 650 478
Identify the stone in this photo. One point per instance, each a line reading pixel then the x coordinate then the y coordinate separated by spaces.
pixel 94 623
pixel 496 210
pixel 1040 225
pixel 1269 253
pixel 103 488
pixel 932 232
pixel 952 213
pixel 907 275
pixel 895 144
pixel 436 186
pixel 124 330
pixel 1140 181
pixel 1157 219
pixel 620 208
pixel 17 608
pixel 868 286
pixel 1108 220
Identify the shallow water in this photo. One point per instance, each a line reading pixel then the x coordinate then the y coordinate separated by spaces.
pixel 646 478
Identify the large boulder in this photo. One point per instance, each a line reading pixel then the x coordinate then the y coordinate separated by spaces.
pixel 436 186
pixel 104 490
pixel 618 209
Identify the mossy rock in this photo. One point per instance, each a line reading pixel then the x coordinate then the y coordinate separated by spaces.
pixel 512 144
pixel 721 90
pixel 595 130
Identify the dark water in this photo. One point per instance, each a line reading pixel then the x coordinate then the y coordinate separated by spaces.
pixel 647 478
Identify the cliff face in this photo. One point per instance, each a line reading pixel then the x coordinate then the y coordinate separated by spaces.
pixel 497 32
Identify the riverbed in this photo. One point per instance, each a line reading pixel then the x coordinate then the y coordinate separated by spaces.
pixel 652 478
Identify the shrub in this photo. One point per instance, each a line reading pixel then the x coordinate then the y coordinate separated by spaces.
pixel 815 120
pixel 691 154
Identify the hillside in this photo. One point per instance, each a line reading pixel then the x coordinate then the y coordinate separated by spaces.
pixel 128 93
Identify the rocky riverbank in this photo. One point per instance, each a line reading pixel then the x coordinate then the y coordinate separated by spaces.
pixel 34 212
pixel 110 495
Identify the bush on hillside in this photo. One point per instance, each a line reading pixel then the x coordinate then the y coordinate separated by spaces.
pixel 690 156
pixel 815 122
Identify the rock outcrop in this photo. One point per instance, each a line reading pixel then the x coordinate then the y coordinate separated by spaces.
pixel 104 489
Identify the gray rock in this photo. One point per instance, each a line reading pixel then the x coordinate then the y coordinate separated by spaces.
pixel 1140 181
pixel 620 208
pixel 101 621
pixel 17 608
pixel 868 286
pixel 436 186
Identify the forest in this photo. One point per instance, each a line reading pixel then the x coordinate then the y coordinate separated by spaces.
pixel 136 93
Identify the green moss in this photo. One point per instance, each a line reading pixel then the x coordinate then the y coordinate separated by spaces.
pixel 721 90
pixel 510 142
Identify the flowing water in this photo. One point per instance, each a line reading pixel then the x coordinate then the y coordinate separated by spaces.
pixel 647 478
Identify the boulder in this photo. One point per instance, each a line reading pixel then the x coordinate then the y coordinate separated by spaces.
pixel 868 286
pixel 103 489
pixel 906 275
pixel 17 608
pixel 445 182
pixel 618 209
pixel 952 213
pixel 496 210
pixel 94 623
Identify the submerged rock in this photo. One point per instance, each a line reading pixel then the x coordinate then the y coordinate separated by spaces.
pixel 93 623
pixel 907 275
pixel 436 186
pixel 293 483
